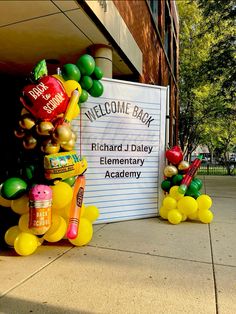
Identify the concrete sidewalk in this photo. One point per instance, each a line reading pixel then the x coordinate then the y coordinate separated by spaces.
pixel 141 266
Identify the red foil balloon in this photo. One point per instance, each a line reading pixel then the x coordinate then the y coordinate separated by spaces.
pixel 174 155
pixel 46 99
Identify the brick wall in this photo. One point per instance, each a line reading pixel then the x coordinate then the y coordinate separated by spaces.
pixel 149 33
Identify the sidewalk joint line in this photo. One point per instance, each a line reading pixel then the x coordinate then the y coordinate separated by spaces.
pixel 213 270
pixel 149 254
pixel 34 273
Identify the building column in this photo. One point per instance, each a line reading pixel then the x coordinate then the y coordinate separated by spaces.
pixel 102 55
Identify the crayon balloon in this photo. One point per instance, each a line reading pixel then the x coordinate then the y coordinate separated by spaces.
pixel 190 174
pixel 71 106
pixel 75 209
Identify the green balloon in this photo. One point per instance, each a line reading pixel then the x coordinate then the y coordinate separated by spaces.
pixel 86 64
pixel 70 181
pixel 97 73
pixel 198 182
pixel 192 190
pixel 86 82
pixel 13 188
pixel 166 185
pixel 195 194
pixel 177 179
pixel 29 172
pixel 97 89
pixel 84 96
pixel 70 72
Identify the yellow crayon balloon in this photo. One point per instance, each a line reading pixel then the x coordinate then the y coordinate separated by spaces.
pixel 76 112
pixel 73 103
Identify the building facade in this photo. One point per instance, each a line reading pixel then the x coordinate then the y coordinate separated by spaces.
pixel 135 40
pixel 150 28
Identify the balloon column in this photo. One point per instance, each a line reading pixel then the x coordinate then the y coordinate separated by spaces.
pixel 48 195
pixel 183 198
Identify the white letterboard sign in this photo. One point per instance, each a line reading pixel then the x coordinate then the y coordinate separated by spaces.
pixel 123 139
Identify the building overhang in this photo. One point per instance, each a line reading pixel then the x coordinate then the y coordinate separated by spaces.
pixel 62 30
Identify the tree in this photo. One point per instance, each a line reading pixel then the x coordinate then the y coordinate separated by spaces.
pixel 194 50
pixel 207 74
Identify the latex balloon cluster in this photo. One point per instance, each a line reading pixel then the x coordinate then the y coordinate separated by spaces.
pixel 183 199
pixel 51 102
pixel 48 196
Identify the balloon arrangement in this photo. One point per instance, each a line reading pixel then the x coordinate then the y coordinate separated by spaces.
pixel 183 199
pixel 48 196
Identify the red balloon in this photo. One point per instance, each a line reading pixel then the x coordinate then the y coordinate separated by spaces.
pixel 174 155
pixel 46 99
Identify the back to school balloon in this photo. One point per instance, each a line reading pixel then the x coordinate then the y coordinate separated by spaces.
pixel 46 99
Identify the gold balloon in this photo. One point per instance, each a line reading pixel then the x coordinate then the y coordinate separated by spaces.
pixel 73 136
pixel 69 145
pixel 170 171
pixel 62 133
pixel 24 111
pixel 26 122
pixel 183 165
pixel 29 142
pixel 50 147
pixel 19 133
pixel 44 128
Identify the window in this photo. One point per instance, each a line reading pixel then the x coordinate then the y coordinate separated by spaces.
pixel 174 63
pixel 167 32
pixel 154 6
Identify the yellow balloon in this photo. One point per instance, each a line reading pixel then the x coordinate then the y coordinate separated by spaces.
pixel 205 216
pixel 184 217
pixel 70 86
pixel 169 203
pixel 91 212
pixel 163 212
pixel 204 202
pixel 193 216
pixel 4 202
pixel 62 195
pixel 11 235
pixel 187 205
pixel 59 78
pixel 76 112
pixel 175 193
pixel 24 223
pixel 25 243
pixel 57 230
pixel 174 217
pixel 85 233
pixel 21 205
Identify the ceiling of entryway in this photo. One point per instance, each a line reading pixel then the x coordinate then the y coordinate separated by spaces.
pixel 53 30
